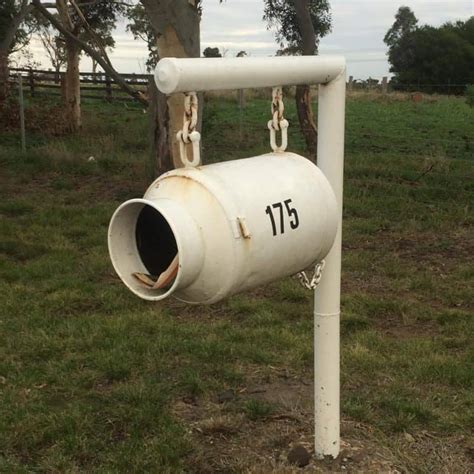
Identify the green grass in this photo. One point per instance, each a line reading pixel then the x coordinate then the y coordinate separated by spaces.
pixel 90 376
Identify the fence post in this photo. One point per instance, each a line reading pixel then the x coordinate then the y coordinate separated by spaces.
pixel 384 85
pixel 22 113
pixel 241 98
pixel 108 88
pixel 63 86
pixel 31 79
pixel 350 83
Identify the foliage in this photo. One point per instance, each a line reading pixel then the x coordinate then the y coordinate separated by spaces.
pixel 42 117
pixel 26 59
pixel 141 28
pixel 100 20
pixel 434 57
pixel 211 53
pixel 99 15
pixel 280 16
pixel 405 23
pixel 8 10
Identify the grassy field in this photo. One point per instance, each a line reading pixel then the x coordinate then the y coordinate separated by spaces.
pixel 92 379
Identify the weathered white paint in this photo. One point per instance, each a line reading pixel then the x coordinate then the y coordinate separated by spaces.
pixel 204 74
pixel 226 240
pixel 331 113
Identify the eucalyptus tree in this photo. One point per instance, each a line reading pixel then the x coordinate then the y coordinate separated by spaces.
pixel 440 58
pixel 405 23
pixel 13 35
pixel 173 30
pixel 140 27
pixel 86 24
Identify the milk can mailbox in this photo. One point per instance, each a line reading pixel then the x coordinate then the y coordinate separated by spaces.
pixel 204 233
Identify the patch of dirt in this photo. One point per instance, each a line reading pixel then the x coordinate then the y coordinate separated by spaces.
pixel 224 439
pixel 397 330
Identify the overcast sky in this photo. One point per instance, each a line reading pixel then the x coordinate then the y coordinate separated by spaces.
pixel 358 30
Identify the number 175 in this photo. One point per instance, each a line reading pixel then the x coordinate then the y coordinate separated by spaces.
pixel 291 213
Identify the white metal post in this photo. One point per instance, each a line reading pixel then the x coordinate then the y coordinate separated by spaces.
pixel 197 74
pixel 331 113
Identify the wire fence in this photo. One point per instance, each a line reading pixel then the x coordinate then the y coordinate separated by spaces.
pixel 386 86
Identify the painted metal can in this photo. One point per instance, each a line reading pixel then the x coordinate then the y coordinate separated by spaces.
pixel 228 227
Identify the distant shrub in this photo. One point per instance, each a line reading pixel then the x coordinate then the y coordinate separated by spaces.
pixel 470 95
pixel 41 116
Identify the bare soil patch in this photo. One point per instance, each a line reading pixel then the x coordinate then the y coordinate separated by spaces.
pixel 226 440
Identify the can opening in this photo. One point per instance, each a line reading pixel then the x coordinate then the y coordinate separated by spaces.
pixel 156 243
pixel 144 250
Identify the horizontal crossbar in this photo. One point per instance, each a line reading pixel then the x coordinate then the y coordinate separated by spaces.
pixel 203 74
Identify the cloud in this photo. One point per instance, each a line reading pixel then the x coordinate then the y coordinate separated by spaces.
pixel 358 30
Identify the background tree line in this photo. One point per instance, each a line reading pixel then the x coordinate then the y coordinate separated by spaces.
pixel 441 59
pixel 417 54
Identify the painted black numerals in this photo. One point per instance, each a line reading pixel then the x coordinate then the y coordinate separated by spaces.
pixel 280 208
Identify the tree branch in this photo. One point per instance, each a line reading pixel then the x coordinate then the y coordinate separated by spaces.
pixel 94 36
pixel 91 52
pixel 9 36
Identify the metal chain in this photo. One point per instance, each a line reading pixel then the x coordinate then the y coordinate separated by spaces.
pixel 278 122
pixel 316 278
pixel 278 107
pixel 189 134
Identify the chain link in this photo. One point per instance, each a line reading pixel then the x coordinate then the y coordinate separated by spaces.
pixel 278 123
pixel 278 107
pixel 316 278
pixel 189 134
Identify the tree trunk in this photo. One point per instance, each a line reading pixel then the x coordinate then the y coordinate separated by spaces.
pixel 72 90
pixel 72 85
pixel 158 119
pixel 176 23
pixel 306 118
pixel 303 92
pixel 6 42
pixel 4 74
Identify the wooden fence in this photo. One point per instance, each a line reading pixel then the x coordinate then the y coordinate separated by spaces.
pixel 96 85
